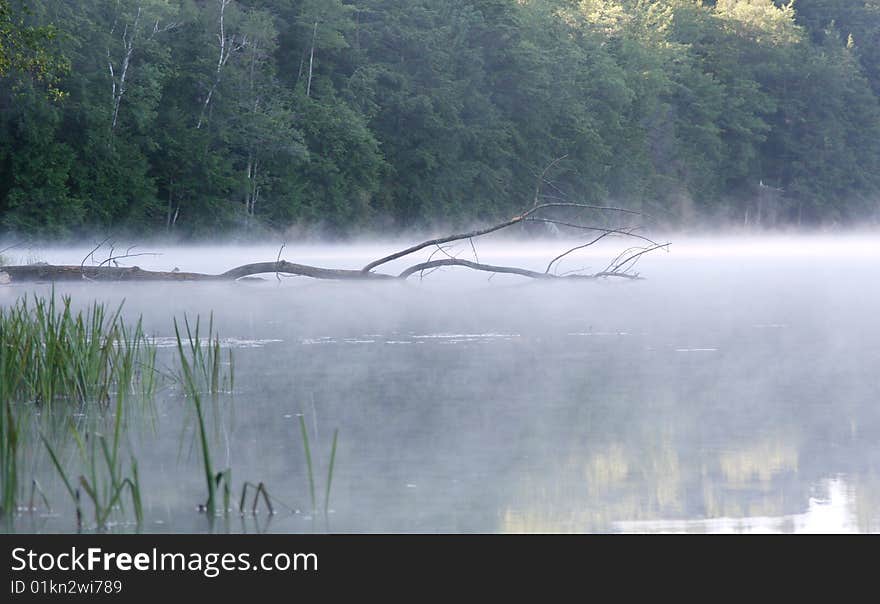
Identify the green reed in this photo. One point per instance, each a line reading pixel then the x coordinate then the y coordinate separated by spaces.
pixel 50 354
pixel 192 358
pixel 310 468
pixel 57 363
pixel 259 489
pixel 330 472
pixel 103 480
pixel 308 451
pixel 58 360
pixel 10 430
pixel 200 373
pixel 102 483
pixel 203 358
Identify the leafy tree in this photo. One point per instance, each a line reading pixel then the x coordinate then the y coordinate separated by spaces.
pixel 199 117
pixel 25 48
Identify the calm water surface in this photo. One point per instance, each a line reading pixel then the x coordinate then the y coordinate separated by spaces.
pixel 735 388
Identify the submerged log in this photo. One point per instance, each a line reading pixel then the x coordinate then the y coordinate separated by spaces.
pixel 621 266
pixel 52 272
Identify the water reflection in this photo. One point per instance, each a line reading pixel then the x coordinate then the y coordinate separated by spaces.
pixel 749 489
pixel 832 510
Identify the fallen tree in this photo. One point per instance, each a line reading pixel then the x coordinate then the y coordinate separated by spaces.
pixel 621 266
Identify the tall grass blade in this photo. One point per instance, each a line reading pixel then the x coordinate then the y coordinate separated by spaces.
pixel 189 381
pixel 330 472
pixel 305 437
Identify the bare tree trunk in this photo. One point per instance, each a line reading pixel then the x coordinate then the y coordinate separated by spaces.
pixel 247 191
pixel 118 87
pixel 227 46
pixel 252 190
pixel 129 37
pixel 168 212
pixel 759 213
pixel 302 61
pixel 252 162
pixel 255 189
pixel 311 60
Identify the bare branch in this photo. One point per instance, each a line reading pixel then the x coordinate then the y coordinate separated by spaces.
pixel 583 227
pixel 512 270
pixel 438 241
pixel 278 259
pixel 474 265
pixel 616 267
pixel 95 249
pixel 541 179
pixel 9 247
pixel 574 249
pixel 473 247
pixel 113 259
pixel 497 227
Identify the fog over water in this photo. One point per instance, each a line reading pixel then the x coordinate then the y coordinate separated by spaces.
pixel 734 388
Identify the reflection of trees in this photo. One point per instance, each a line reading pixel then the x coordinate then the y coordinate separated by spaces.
pixel 593 488
pixel 662 477
pixel 743 433
pixel 867 503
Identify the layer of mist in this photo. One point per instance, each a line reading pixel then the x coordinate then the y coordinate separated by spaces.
pixel 733 388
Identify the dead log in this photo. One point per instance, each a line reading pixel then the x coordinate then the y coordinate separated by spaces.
pixel 51 272
pixel 54 272
pixel 621 266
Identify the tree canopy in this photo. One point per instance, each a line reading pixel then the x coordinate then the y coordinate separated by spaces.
pixel 207 117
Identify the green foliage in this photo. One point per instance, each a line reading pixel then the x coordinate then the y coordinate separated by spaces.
pixel 25 48
pixel 204 117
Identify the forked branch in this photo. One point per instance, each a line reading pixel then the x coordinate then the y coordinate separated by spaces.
pixel 492 229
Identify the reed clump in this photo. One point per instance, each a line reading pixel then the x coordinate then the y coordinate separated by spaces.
pixel 58 360
pixel 50 353
pixel 68 380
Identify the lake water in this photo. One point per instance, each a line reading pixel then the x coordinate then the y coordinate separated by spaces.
pixel 735 388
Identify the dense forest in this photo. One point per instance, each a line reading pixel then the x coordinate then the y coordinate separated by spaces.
pixel 201 117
